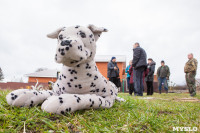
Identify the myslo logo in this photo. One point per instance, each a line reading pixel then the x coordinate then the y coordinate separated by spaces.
pixel 194 129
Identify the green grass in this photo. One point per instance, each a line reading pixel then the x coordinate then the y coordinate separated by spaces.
pixel 160 114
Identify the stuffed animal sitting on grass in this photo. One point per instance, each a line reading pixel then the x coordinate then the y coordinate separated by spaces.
pixel 80 85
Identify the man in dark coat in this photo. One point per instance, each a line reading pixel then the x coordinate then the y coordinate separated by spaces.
pixel 150 76
pixel 139 64
pixel 113 71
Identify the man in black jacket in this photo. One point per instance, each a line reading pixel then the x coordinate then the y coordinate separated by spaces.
pixel 139 64
pixel 150 76
pixel 163 74
pixel 113 72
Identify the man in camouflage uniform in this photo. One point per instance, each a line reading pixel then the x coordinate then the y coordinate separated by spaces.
pixel 190 70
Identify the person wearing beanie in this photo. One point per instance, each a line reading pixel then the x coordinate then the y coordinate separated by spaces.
pixel 113 58
pixel 113 72
pixel 163 74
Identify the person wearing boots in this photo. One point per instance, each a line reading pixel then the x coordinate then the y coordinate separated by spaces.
pixel 163 74
pixel 190 70
pixel 150 76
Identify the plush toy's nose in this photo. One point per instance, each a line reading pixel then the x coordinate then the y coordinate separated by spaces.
pixel 65 42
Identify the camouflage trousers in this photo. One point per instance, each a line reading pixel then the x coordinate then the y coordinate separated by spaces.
pixel 190 80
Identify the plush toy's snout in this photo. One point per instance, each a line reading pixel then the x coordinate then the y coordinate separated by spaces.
pixel 66 43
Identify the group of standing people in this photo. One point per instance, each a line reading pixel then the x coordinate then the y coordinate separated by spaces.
pixel 147 75
pixel 140 70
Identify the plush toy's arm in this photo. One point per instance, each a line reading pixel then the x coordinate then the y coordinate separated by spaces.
pixel 27 98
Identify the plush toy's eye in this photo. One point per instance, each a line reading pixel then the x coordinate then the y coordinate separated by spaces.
pixel 82 34
pixel 60 37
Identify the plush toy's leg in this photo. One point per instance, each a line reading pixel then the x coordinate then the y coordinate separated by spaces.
pixel 72 102
pixel 120 99
pixel 28 98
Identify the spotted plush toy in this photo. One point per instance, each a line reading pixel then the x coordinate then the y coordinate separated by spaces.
pixel 80 84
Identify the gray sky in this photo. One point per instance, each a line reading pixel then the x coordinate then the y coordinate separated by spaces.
pixel 166 29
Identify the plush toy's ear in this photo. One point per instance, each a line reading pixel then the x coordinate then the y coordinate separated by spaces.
pixel 54 34
pixel 96 31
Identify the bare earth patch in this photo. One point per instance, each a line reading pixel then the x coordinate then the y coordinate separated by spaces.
pixel 174 99
pixel 188 99
pixel 165 112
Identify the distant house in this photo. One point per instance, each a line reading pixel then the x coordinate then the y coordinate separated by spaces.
pixel 101 61
pixel 43 76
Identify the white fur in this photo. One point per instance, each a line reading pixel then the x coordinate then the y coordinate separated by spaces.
pixel 80 84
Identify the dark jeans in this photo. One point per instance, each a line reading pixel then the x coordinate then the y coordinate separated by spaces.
pixel 161 82
pixel 114 80
pixel 149 87
pixel 138 82
pixel 128 82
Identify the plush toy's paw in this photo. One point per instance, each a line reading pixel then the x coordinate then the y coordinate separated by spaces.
pixel 55 103
pixel 27 98
pixel 62 104
pixel 120 99
pixel 73 102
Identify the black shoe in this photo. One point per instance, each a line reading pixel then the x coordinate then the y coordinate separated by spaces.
pixel 160 91
pixel 193 94
pixel 166 91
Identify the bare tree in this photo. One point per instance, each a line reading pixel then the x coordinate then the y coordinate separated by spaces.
pixel 1 75
pixel 41 69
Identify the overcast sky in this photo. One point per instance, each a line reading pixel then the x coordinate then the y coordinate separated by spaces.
pixel 167 29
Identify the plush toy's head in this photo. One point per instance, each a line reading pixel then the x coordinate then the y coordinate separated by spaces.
pixel 76 44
